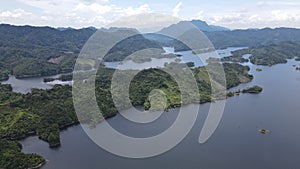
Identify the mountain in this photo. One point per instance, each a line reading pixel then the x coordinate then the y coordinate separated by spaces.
pixel 202 25
pixel 26 51
pixel 180 29
pixel 64 29
pixel 253 37
pixel 129 46
pixel 229 38
pixel 70 28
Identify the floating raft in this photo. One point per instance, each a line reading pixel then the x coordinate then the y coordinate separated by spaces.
pixel 264 131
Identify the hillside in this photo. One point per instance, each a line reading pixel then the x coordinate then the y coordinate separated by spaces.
pixel 268 55
pixel 26 51
pixel 253 37
pixel 234 38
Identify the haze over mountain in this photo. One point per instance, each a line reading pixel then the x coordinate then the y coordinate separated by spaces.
pixel 223 37
pixel 253 37
pixel 27 51
pixel 202 25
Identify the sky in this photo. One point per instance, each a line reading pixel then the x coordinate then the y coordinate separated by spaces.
pixel 233 14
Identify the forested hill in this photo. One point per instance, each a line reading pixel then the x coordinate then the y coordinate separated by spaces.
pixel 27 51
pixel 236 38
pixel 253 37
pixel 268 55
pixel 29 36
pixel 46 112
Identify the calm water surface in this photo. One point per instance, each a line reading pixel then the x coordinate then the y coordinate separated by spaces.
pixel 187 56
pixel 25 85
pixel 236 144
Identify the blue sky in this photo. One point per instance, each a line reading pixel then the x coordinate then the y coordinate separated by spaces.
pixel 234 14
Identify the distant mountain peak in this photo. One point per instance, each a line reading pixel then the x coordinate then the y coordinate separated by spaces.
pixel 70 28
pixel 64 29
pixel 202 25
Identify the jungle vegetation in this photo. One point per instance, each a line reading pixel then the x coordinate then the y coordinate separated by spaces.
pixel 268 55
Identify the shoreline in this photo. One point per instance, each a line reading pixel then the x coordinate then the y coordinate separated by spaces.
pixel 75 124
pixel 39 165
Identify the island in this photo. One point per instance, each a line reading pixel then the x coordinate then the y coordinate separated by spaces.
pixel 258 69
pixel 267 55
pixel 264 131
pixel 237 57
pixel 253 90
pixel 275 54
pixel 64 78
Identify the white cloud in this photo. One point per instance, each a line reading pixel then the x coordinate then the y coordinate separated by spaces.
pixel 134 11
pixel 98 13
pixel 71 13
pixel 146 22
pixel 177 9
pixel 260 15
pixel 281 3
pixel 199 15
pixel 18 16
pixel 93 8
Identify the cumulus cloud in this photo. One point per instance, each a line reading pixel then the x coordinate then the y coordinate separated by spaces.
pixel 177 9
pixel 98 13
pixel 21 17
pixel 146 22
pixel 74 13
pixel 281 3
pixel 260 15
pixel 134 11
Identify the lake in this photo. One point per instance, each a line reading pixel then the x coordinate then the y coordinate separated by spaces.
pixel 186 56
pixel 237 143
pixel 25 85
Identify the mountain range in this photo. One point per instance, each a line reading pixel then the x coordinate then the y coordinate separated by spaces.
pixel 27 51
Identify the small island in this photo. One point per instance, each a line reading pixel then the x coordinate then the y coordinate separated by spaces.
pixel 258 69
pixel 201 51
pixel 253 90
pixel 237 56
pixel 264 131
pixel 64 78
pixel 267 55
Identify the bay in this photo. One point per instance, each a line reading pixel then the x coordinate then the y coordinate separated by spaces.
pixel 237 143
